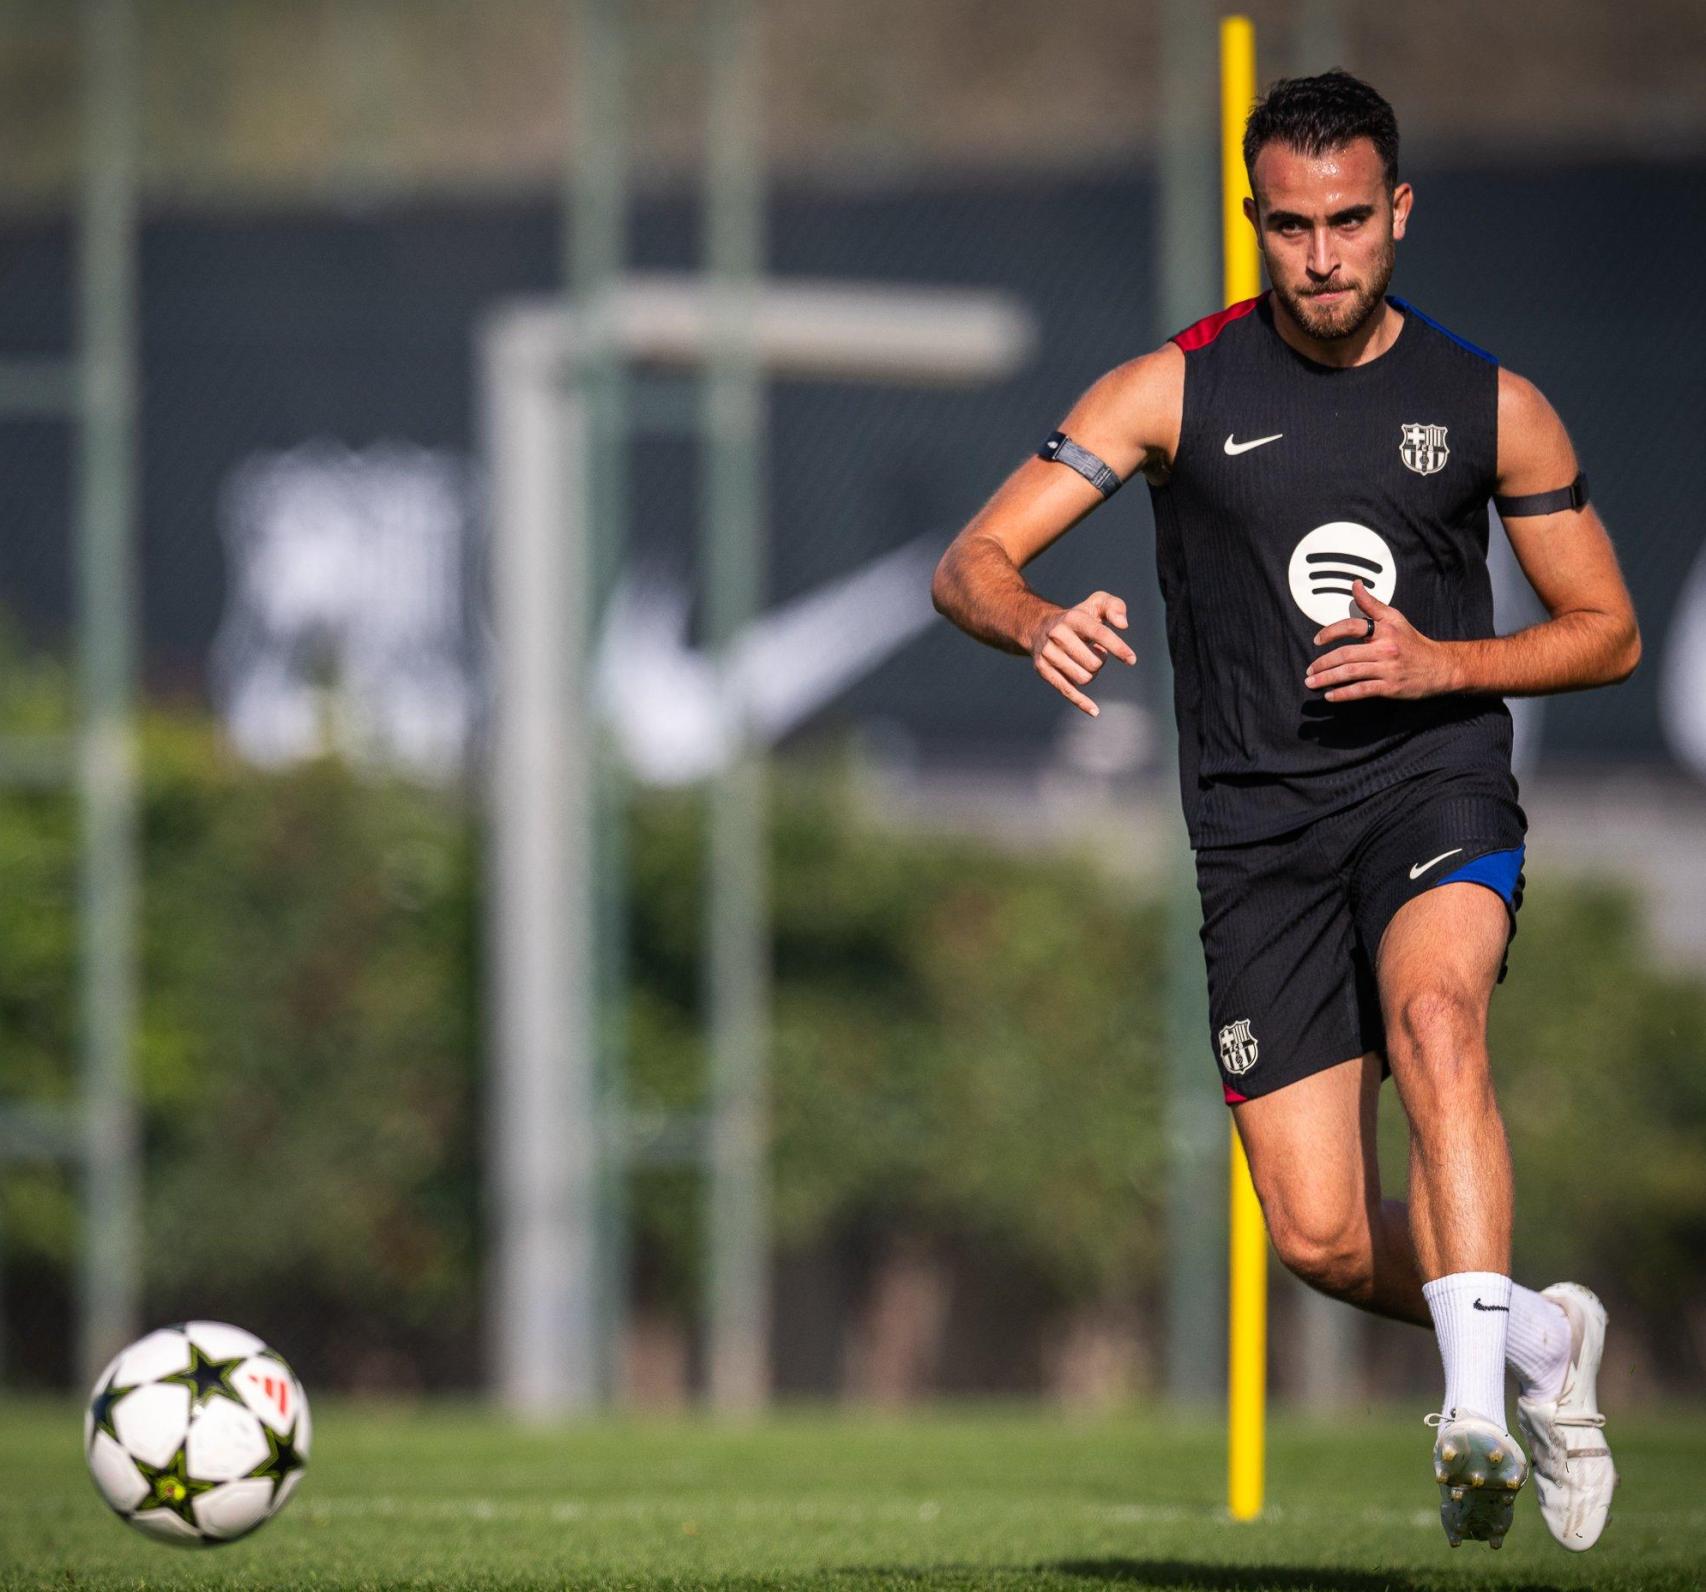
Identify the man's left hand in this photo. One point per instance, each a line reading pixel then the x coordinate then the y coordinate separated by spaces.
pixel 1395 660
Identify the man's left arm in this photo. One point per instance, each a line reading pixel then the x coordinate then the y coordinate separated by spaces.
pixel 1591 637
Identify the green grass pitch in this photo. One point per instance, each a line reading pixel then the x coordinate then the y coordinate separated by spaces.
pixel 450 1497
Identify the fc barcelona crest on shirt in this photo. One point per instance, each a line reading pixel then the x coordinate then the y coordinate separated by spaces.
pixel 1424 449
pixel 1238 1049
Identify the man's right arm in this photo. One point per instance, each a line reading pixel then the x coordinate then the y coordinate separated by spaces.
pixel 1130 421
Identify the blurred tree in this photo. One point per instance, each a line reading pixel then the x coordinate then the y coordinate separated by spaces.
pixel 309 1034
pixel 963 1042
pixel 965 1062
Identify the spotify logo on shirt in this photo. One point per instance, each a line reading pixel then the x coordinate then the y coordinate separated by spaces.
pixel 1329 558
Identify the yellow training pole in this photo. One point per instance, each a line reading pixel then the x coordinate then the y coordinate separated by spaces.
pixel 1247 1358
pixel 1243 264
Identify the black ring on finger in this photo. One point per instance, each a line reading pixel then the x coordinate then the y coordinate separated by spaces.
pixel 1368 619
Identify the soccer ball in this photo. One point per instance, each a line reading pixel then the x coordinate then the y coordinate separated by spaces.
pixel 197 1433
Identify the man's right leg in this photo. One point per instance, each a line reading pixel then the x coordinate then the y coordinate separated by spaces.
pixel 1285 999
pixel 1311 1148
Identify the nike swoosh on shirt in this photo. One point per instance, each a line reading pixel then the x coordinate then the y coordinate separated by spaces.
pixel 1245 447
pixel 1422 867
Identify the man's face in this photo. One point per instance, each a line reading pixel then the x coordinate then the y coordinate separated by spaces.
pixel 1327 227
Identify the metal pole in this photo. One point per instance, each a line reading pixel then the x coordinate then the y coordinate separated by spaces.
pixel 596 206
pixel 106 763
pixel 544 1098
pixel 737 940
pixel 1186 228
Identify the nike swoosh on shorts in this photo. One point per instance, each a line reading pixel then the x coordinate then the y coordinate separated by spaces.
pixel 1418 869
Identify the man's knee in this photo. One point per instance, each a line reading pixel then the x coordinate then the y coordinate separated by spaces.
pixel 1440 1028
pixel 1326 1246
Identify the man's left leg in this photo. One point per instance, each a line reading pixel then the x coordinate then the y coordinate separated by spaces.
pixel 1439 960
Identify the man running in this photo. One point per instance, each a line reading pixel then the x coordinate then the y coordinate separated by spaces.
pixel 1320 460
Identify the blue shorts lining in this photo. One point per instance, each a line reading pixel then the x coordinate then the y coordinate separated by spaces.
pixel 1497 870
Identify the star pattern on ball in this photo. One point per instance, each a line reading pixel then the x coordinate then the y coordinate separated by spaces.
pixel 171 1486
pixel 101 1407
pixel 283 1457
pixel 206 1377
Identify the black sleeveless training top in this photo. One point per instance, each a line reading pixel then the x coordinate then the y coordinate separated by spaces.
pixel 1291 478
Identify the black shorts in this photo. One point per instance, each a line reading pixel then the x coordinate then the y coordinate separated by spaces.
pixel 1292 925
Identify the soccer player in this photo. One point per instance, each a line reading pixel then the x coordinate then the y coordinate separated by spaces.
pixel 1320 461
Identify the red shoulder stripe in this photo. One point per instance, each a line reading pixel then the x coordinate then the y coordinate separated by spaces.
pixel 1211 326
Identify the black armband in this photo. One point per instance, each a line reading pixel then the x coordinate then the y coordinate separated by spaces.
pixel 1573 496
pixel 1063 450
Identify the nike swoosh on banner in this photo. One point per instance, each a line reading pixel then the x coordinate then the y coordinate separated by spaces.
pixel 678 717
pixel 1244 447
pixel 1422 867
pixel 1480 1306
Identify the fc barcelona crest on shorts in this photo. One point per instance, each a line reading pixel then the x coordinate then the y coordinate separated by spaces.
pixel 1238 1049
pixel 1423 448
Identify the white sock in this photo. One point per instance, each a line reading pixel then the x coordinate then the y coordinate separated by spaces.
pixel 1471 1311
pixel 1537 1346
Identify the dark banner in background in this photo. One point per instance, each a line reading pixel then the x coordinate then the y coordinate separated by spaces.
pixel 310 433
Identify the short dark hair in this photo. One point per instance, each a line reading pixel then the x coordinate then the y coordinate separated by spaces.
pixel 1315 115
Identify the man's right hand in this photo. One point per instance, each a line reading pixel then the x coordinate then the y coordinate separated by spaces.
pixel 1070 645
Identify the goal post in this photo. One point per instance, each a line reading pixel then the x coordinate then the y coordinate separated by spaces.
pixel 556 1144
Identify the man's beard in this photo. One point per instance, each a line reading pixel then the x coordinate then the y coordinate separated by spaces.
pixel 1331 323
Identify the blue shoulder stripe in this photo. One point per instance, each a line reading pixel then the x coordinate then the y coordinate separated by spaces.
pixel 1445 331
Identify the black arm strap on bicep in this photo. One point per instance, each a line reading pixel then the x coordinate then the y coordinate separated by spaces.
pixel 1063 450
pixel 1573 496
